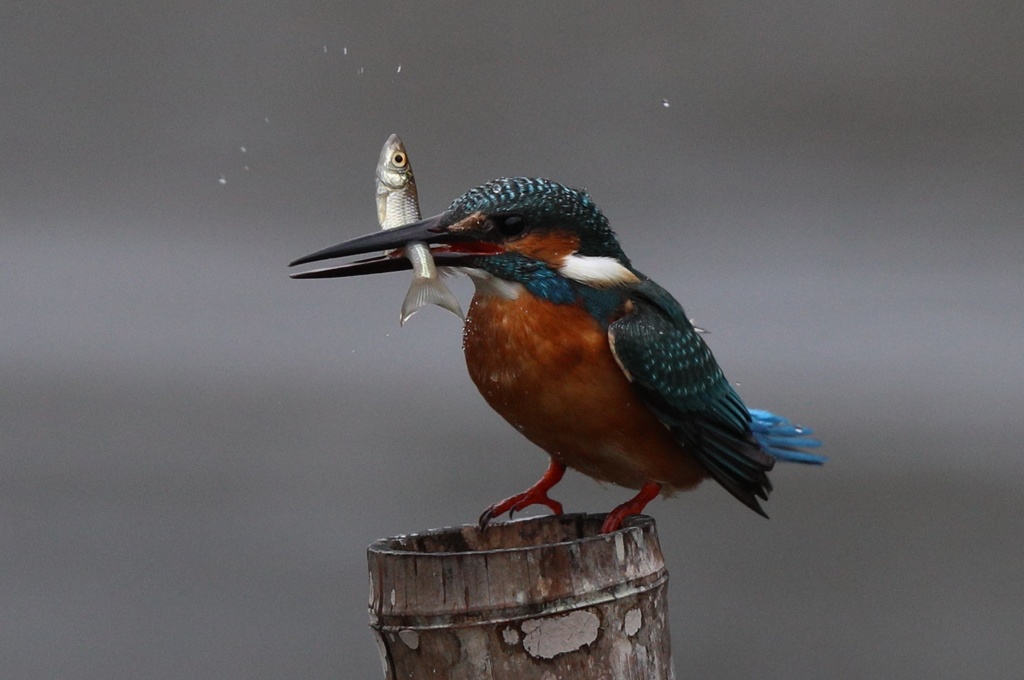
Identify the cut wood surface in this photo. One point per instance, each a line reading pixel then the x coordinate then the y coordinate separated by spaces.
pixel 547 597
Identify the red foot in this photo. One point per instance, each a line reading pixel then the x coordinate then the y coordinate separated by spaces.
pixel 634 506
pixel 535 495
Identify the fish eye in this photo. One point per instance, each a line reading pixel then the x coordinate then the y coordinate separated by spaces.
pixel 399 160
pixel 511 225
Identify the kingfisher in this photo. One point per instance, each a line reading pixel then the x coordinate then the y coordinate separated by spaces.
pixel 583 354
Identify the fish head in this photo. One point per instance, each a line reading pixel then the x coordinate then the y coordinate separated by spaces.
pixel 394 172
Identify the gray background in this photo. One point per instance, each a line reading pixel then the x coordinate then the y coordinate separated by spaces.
pixel 196 450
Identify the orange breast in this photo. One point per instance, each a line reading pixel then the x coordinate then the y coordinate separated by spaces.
pixel 548 370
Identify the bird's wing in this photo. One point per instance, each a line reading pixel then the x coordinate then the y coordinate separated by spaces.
pixel 675 373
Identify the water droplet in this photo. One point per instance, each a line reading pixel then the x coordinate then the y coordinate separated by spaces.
pixel 664 102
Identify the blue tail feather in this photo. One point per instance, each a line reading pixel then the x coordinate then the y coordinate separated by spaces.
pixel 782 439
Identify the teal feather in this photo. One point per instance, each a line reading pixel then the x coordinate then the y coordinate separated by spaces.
pixel 678 377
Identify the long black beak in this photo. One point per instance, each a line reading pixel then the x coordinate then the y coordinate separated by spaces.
pixel 430 231
pixel 373 265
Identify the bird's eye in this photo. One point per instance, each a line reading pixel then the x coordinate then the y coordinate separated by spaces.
pixel 399 160
pixel 511 225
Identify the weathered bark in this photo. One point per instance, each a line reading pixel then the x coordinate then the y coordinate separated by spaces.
pixel 546 597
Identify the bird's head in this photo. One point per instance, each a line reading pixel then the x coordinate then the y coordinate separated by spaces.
pixel 513 229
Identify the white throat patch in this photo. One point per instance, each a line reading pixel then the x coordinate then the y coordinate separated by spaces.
pixel 599 272
pixel 488 284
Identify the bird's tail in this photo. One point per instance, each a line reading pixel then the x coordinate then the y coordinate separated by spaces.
pixel 782 439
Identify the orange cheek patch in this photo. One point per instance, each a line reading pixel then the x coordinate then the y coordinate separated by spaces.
pixel 550 247
pixel 470 223
pixel 473 248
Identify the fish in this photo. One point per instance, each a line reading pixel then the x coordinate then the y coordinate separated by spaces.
pixel 398 204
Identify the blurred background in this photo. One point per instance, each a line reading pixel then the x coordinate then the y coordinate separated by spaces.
pixel 196 450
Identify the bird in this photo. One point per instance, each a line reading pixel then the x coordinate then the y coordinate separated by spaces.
pixel 583 354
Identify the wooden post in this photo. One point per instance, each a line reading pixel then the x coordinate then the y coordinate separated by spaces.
pixel 546 598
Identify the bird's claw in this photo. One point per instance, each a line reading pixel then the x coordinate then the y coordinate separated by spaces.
pixel 520 501
pixel 634 506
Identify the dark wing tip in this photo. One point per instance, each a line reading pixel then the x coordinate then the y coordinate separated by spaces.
pixel 733 459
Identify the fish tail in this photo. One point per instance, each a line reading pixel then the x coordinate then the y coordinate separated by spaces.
pixel 429 291
pixel 783 440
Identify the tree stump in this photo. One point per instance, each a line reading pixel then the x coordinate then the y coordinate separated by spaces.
pixel 546 597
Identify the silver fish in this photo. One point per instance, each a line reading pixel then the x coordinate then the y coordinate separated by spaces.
pixel 398 204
